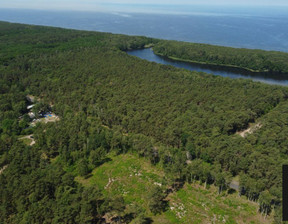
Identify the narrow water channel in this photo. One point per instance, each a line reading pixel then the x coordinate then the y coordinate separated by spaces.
pixel 149 55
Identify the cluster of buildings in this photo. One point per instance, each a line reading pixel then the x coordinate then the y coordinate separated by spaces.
pixel 42 116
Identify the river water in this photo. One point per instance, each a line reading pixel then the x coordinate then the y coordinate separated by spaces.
pixel 149 55
pixel 248 27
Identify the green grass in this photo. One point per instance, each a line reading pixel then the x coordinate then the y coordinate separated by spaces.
pixel 133 177
pixel 26 141
pixel 201 205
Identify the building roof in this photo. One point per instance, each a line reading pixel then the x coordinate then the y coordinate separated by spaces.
pixel 30 106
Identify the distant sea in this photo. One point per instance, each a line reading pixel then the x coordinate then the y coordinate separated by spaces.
pixel 264 28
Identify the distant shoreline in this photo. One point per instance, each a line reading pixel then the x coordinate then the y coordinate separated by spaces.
pixel 213 64
pixel 234 29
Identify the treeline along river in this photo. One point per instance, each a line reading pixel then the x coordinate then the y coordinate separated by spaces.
pixel 148 54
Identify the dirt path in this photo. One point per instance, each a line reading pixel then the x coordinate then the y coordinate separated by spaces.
pixel 250 130
pixel 2 169
pixel 30 137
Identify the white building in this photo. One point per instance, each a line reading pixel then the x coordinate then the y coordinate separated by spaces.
pixel 30 107
pixel 31 115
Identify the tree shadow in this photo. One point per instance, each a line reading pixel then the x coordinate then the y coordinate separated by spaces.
pixel 165 205
pixel 88 176
pixel 148 220
pixel 231 191
pixel 106 160
pixel 178 184
pixel 127 218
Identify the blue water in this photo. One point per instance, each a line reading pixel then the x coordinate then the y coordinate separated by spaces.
pixel 262 28
pixel 149 55
pixel 259 27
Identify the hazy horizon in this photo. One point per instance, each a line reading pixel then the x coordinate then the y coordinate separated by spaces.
pixel 211 10
pixel 154 6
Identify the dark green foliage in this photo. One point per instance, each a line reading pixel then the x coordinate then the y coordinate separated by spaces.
pixel 199 170
pixel 115 206
pixel 137 214
pixel 82 167
pixel 253 60
pixel 141 219
pixel 109 101
pixel 155 199
pixel 97 156
pixel 265 201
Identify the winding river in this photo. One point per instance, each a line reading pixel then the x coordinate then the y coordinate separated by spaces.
pixel 149 55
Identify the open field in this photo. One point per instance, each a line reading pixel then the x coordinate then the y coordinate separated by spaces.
pixel 125 175
pixel 194 204
pixel 132 177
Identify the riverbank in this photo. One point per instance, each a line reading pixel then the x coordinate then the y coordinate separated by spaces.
pixel 231 72
pixel 253 60
pixel 211 64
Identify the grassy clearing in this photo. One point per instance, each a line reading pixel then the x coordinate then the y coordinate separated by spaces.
pixel 26 141
pixel 194 204
pixel 132 177
pixel 126 175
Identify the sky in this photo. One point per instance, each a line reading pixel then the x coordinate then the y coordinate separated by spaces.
pixel 122 5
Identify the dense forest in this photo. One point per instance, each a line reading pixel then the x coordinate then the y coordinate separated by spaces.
pixel 249 59
pixel 184 122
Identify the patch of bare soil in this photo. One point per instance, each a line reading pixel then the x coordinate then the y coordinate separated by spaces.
pixel 2 169
pixel 250 130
